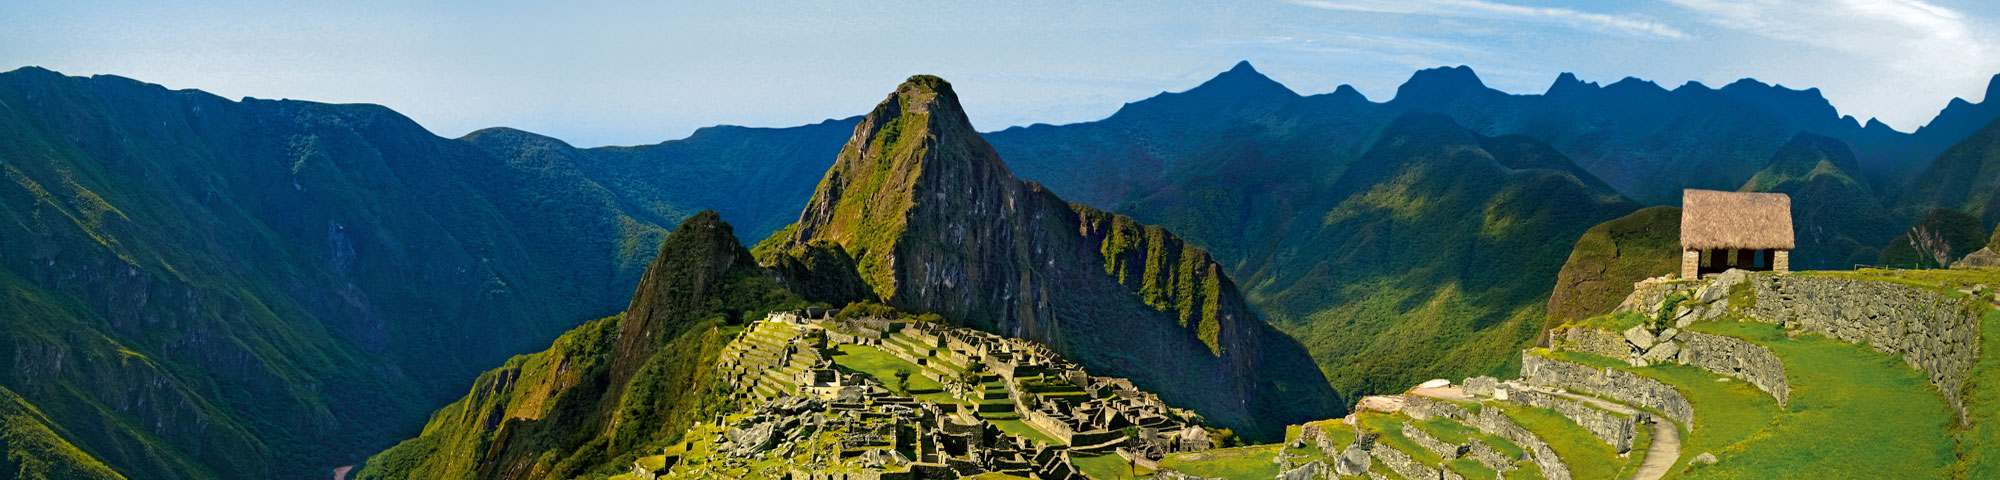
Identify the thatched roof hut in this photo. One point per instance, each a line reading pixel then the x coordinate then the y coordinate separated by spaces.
pixel 1713 220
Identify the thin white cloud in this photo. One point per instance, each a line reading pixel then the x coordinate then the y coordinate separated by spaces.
pixel 1634 25
pixel 1919 47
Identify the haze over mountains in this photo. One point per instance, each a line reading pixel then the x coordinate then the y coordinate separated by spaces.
pixel 205 288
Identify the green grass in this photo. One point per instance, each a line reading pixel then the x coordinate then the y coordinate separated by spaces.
pixel 1019 428
pixel 1845 399
pixel 883 367
pixel 1584 454
pixel 1240 462
pixel 1615 321
pixel 1447 430
pixel 1979 445
pixel 1108 467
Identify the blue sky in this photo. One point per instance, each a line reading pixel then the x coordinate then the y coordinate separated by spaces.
pixel 620 72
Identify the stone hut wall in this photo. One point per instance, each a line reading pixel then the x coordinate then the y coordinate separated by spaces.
pixel 1619 385
pixel 1935 333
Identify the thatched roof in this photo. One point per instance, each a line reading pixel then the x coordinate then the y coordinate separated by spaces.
pixel 1712 219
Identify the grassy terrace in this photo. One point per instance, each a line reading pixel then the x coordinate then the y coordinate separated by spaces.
pixel 1584 454
pixel 1979 446
pixel 882 366
pixel 1240 462
pixel 1834 384
pixel 1108 467
pixel 1846 399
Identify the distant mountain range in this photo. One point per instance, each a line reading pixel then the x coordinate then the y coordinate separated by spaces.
pixel 200 287
pixel 205 288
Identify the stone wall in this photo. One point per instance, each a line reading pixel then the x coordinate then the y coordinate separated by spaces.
pixel 1486 455
pixel 1935 333
pixel 1401 463
pixel 1614 429
pixel 1594 341
pixel 1620 385
pixel 1437 447
pixel 1737 358
pixel 1491 421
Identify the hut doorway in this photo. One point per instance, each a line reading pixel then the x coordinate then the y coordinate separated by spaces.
pixel 1720 260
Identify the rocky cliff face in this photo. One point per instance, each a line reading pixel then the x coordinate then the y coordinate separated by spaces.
pixel 936 223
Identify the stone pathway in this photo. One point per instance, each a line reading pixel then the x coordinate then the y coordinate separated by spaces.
pixel 1450 392
pixel 1666 445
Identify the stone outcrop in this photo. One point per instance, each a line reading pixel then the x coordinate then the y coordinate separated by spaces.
pixel 1352 461
pixel 1737 358
pixel 1306 471
pixel 1935 333
pixel 1616 384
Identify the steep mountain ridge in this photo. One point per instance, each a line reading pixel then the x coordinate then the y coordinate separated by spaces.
pixel 936 223
pixel 1963 178
pixel 611 389
pixel 1837 219
pixel 202 288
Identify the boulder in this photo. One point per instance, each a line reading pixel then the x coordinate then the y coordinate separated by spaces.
pixel 1308 471
pixel 1353 461
pixel 1719 287
pixel 1704 459
pixel 1714 310
pixel 1639 337
pixel 1482 386
pixel 1663 352
pixel 1667 335
pixel 1985 257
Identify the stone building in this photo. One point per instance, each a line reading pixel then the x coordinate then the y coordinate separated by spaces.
pixel 1725 230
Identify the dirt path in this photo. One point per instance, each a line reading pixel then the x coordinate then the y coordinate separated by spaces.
pixel 1666 447
pixel 1665 451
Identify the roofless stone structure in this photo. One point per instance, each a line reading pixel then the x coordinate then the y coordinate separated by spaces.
pixel 1724 230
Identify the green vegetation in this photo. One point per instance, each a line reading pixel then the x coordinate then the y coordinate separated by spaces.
pixel 612 390
pixel 1108 467
pixel 265 289
pixel 1979 445
pixel 885 368
pixel 1584 454
pixel 1937 240
pixel 1615 321
pixel 30 449
pixel 1239 462
pixel 912 199
pixel 1837 220
pixel 1844 399
pixel 1612 256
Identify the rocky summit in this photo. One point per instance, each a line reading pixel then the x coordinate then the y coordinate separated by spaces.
pixel 936 223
